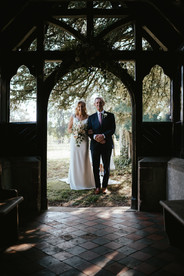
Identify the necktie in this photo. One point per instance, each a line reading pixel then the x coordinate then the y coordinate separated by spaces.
pixel 100 118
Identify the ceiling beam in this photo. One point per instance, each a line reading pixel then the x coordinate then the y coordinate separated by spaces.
pixel 58 56
pixel 65 27
pixel 96 13
pixel 148 31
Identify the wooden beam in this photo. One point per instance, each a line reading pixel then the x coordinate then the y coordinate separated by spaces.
pixel 90 26
pixel 115 26
pixel 24 38
pixel 164 47
pixel 65 27
pixel 150 40
pixel 32 57
pixel 97 13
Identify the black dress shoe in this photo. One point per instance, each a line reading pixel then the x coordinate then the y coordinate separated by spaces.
pixel 97 191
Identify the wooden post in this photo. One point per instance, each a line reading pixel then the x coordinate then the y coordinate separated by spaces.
pixel 89 20
pixel 175 110
pixel 137 116
pixel 42 114
pixel 4 97
pixel 182 113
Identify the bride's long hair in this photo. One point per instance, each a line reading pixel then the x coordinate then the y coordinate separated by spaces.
pixel 84 113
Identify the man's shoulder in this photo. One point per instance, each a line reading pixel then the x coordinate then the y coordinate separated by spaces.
pixel 92 115
pixel 109 113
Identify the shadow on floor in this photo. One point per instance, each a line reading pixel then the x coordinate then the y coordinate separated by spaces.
pixel 93 241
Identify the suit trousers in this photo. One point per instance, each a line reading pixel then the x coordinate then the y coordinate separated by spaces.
pixel 105 153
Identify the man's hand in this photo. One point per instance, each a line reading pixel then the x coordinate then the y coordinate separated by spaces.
pixel 100 138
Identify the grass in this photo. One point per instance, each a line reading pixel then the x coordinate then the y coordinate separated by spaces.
pixel 60 194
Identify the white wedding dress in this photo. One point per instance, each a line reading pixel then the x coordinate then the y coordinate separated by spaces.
pixel 80 175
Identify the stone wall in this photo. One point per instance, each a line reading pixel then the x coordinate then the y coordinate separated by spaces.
pixel 151 183
pixel 159 178
pixel 175 179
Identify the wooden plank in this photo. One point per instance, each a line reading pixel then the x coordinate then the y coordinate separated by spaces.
pixel 7 205
pixel 145 56
pixel 97 13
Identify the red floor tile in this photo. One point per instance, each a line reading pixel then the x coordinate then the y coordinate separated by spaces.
pixel 83 241
pixel 140 256
pixel 146 268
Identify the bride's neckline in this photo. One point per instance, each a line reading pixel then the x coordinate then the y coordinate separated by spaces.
pixel 80 119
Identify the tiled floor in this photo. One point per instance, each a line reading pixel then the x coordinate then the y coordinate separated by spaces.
pixel 93 241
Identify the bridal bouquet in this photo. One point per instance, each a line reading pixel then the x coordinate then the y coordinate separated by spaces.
pixel 79 132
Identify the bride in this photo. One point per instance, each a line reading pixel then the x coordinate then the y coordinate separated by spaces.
pixel 80 172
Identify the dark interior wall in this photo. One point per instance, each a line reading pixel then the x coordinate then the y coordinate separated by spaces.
pixel 18 139
pixel 156 139
pixel 161 139
pixel 9 8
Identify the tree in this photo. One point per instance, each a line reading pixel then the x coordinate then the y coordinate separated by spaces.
pixel 156 95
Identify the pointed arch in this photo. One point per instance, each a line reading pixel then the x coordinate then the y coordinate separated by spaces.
pixel 23 96
pixel 109 65
pixel 156 96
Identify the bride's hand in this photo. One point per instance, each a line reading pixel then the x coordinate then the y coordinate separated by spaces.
pixel 90 131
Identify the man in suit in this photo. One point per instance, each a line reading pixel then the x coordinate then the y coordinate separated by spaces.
pixel 101 126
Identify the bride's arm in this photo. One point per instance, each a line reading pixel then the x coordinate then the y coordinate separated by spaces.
pixel 70 124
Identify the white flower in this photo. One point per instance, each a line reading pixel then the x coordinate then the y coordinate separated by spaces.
pixel 105 115
pixel 79 132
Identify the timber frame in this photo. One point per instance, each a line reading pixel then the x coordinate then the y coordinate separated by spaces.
pixel 26 22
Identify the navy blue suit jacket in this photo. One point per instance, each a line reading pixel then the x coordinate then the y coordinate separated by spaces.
pixel 107 128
